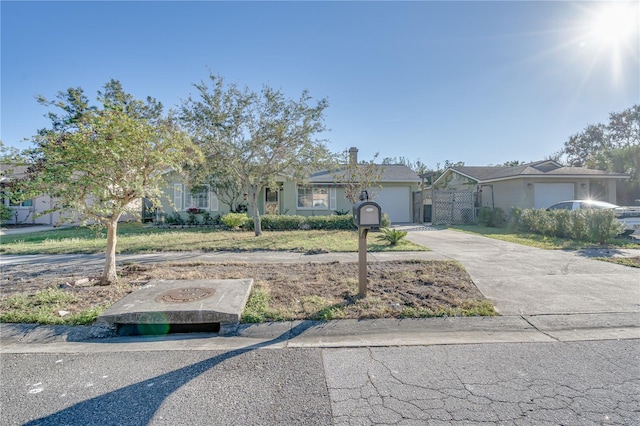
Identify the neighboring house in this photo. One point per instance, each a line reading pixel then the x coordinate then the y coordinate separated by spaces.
pixel 28 211
pixel 318 195
pixel 534 185
pixel 37 211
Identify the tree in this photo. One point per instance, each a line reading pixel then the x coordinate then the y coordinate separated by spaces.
pixel 613 147
pixel 255 137
pixel 417 166
pixel 95 161
pixel 356 177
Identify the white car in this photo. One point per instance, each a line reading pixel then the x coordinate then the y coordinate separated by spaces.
pixel 628 216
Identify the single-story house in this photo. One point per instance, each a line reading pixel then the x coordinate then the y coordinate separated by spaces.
pixel 29 211
pixel 319 194
pixel 533 185
pixel 39 210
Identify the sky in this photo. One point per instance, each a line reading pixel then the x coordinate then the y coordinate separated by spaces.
pixel 478 82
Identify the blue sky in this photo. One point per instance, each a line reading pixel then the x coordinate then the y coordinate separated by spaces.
pixel 478 82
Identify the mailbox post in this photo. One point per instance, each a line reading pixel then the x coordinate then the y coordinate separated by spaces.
pixel 366 215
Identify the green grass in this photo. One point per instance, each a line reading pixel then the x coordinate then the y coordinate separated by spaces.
pixel 135 238
pixel 541 241
pixel 44 307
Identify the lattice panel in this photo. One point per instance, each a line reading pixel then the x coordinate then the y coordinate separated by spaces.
pixel 453 208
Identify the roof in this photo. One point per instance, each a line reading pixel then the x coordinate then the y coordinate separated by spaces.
pixel 546 168
pixel 390 173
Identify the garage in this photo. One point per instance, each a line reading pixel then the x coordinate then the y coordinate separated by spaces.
pixel 396 202
pixel 547 194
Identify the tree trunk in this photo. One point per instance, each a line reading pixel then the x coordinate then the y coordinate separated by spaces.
pixel 109 275
pixel 257 223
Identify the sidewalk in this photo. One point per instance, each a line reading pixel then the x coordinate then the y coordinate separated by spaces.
pixel 543 296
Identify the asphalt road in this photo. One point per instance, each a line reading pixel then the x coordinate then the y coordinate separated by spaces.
pixel 555 378
pixel 570 383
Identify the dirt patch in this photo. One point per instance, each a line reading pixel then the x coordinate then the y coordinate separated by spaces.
pixel 295 291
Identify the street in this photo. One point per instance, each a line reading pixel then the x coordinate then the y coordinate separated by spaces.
pixel 569 383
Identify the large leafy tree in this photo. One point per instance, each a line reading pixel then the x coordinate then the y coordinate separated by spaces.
pixel 614 146
pixel 255 137
pixel 97 160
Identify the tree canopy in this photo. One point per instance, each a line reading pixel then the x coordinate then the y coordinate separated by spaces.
pixel 255 137
pixel 614 146
pixel 97 160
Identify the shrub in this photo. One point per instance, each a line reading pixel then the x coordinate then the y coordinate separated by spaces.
pixel 174 219
pixel 5 214
pixel 602 225
pixel 392 236
pixel 207 219
pixel 561 223
pixel 274 222
pixel 491 217
pixel 192 219
pixel 235 220
pixel 343 222
pixel 385 221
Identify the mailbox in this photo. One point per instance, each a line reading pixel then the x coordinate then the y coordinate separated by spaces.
pixel 367 214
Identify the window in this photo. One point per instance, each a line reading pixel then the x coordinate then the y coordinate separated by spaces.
pixel 24 204
pixel 313 197
pixel 204 199
pixel 199 199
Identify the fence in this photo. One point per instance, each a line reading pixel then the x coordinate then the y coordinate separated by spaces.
pixel 453 208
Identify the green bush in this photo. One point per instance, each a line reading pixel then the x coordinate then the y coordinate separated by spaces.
pixel 392 236
pixel 580 225
pixel 235 220
pixel 492 217
pixel 561 223
pixel 6 214
pixel 275 222
pixel 602 225
pixel 342 222
pixel 385 221
pixel 174 219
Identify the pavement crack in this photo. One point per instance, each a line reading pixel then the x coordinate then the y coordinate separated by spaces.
pixel 538 330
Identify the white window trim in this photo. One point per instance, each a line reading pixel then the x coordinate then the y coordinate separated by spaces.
pixel 178 196
pixel 183 199
pixel 313 186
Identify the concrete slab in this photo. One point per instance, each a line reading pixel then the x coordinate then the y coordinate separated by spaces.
pixel 182 302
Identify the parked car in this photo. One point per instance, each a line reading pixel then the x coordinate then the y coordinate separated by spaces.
pixel 629 217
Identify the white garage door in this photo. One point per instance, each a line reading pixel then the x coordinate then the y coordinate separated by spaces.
pixel 547 194
pixel 396 202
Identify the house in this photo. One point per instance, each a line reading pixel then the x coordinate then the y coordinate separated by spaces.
pixel 40 210
pixel 319 194
pixel 461 190
pixel 26 212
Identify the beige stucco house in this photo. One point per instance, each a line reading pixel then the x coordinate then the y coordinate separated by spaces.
pixel 533 185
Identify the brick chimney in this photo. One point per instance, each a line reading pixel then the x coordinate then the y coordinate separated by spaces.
pixel 353 155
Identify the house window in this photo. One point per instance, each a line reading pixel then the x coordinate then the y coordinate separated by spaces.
pixel 23 204
pixel 313 197
pixel 205 199
pixel 199 199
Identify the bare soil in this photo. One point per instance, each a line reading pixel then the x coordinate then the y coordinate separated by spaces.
pixel 296 288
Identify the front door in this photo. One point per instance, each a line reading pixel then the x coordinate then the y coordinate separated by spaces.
pixel 271 201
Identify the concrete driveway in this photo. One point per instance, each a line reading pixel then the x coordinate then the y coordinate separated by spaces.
pixel 523 280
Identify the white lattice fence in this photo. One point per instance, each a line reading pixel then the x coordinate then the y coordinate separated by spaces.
pixel 453 208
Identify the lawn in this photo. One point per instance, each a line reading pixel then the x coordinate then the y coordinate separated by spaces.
pixel 281 292
pixel 136 238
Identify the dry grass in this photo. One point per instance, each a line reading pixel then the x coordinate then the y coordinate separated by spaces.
pixel 292 291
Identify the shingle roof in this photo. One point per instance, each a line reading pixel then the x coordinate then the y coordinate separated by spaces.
pixel 390 173
pixel 539 168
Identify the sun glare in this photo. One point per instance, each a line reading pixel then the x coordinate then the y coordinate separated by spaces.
pixel 614 23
